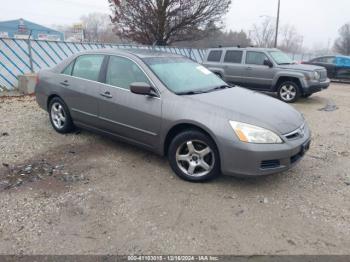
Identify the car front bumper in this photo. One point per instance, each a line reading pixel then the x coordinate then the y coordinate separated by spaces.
pixel 243 159
pixel 314 87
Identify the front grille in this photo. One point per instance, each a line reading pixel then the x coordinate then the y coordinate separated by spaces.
pixel 268 164
pixel 299 133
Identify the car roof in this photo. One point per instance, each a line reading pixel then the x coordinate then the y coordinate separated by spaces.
pixel 258 49
pixel 140 53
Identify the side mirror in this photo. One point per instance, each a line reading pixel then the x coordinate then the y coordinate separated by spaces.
pixel 140 88
pixel 268 63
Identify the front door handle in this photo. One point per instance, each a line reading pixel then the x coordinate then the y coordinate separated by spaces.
pixel 106 94
pixel 249 68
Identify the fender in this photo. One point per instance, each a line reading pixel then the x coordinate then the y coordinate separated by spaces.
pixel 293 74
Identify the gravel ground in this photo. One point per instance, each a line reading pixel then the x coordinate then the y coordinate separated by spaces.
pixel 85 194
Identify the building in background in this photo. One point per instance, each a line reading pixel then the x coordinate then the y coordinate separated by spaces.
pixel 75 33
pixel 22 29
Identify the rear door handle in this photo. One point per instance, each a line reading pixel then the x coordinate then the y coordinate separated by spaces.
pixel 249 68
pixel 64 83
pixel 106 94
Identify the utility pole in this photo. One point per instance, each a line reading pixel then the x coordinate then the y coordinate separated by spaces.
pixel 277 22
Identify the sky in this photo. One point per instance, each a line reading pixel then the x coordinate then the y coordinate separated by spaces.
pixel 317 20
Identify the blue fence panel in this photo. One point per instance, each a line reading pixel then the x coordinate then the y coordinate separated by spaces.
pixel 14 55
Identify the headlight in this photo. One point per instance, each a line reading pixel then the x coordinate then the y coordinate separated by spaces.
pixel 254 134
pixel 317 75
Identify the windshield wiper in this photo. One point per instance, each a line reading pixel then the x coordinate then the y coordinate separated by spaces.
pixel 192 92
pixel 204 91
pixel 219 88
pixel 286 63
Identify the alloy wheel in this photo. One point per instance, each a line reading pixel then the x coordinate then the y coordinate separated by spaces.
pixel 288 92
pixel 195 158
pixel 58 115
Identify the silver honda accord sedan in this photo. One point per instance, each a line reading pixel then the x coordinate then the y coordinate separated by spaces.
pixel 177 108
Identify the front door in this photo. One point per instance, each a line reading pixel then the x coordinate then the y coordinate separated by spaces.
pixel 258 75
pixel 136 118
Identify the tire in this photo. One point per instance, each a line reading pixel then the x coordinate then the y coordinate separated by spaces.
pixel 60 117
pixel 289 92
pixel 194 157
pixel 306 95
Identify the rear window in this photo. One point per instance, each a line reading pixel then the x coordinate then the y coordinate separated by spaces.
pixel 88 67
pixel 233 57
pixel 215 56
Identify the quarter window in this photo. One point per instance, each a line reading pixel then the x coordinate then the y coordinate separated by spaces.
pixel 233 57
pixel 122 72
pixel 255 58
pixel 69 68
pixel 215 56
pixel 88 67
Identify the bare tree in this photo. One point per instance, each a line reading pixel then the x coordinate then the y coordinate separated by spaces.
pixel 163 22
pixel 342 44
pixel 290 40
pixel 98 27
pixel 263 35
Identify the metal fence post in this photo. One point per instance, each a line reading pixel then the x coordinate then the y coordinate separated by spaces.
pixel 30 54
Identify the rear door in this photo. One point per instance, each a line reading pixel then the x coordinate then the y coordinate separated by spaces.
pixel 234 71
pixel 136 118
pixel 81 87
pixel 259 76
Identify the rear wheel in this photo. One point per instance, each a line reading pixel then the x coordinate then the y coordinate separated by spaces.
pixel 289 92
pixel 194 157
pixel 59 116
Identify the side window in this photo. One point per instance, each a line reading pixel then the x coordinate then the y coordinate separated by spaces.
pixel 330 60
pixel 88 67
pixel 122 72
pixel 233 57
pixel 68 69
pixel 215 56
pixel 255 58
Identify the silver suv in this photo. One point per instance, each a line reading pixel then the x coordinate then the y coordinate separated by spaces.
pixel 267 70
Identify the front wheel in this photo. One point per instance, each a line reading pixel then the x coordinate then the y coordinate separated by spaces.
pixel 289 92
pixel 194 157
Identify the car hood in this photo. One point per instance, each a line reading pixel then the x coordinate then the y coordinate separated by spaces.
pixel 243 105
pixel 301 67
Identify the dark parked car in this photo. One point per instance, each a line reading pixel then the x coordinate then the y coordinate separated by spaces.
pixel 173 106
pixel 338 67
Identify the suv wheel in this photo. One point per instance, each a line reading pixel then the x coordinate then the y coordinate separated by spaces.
pixel 59 116
pixel 194 157
pixel 289 92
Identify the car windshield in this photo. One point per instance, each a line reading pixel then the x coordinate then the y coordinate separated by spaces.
pixel 183 76
pixel 281 58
